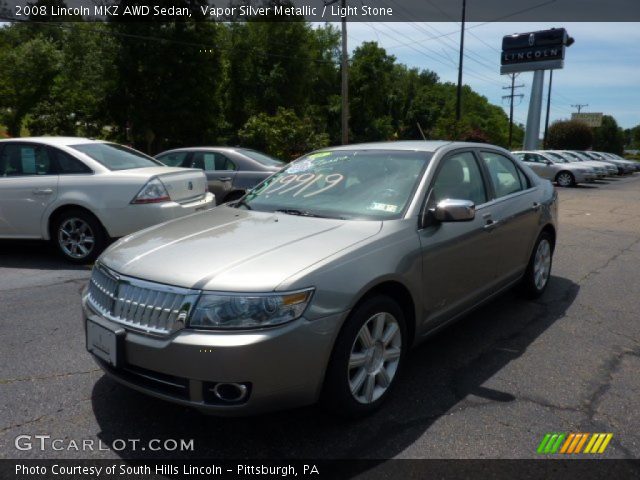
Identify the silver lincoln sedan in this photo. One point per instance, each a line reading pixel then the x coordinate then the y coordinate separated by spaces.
pixel 315 285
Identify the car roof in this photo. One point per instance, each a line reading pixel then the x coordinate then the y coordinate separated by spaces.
pixel 411 145
pixel 54 141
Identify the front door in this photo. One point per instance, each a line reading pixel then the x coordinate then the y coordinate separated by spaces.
pixel 457 257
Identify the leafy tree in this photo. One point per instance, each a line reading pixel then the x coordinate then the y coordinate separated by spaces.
pixel 609 137
pixel 75 104
pixel 569 135
pixel 284 135
pixel 27 71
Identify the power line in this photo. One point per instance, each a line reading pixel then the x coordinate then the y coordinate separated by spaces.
pixel 511 97
pixel 579 106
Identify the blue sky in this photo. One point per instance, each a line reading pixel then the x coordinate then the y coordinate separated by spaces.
pixel 601 69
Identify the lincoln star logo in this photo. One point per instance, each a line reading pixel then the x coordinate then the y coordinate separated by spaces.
pixel 532 39
pixel 190 185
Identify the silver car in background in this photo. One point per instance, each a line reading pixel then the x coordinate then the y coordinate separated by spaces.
pixel 576 156
pixel 627 165
pixel 559 170
pixel 315 285
pixel 601 168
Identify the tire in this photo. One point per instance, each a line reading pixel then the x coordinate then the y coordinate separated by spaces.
pixel 78 236
pixel 535 281
pixel 372 369
pixel 565 179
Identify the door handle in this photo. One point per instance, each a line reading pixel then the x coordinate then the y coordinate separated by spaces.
pixel 491 225
pixel 225 179
pixel 43 191
pixel 536 206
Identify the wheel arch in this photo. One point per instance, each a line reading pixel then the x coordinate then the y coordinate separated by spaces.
pixel 401 294
pixel 64 208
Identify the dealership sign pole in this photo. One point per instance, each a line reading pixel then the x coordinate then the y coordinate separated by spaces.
pixel 537 52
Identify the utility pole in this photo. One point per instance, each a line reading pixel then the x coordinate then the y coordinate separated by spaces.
pixel 459 92
pixel 345 78
pixel 580 106
pixel 344 72
pixel 546 123
pixel 511 97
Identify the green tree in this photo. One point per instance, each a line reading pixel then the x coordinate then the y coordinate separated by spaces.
pixel 75 104
pixel 371 86
pixel 609 137
pixel 569 135
pixel 283 135
pixel 28 69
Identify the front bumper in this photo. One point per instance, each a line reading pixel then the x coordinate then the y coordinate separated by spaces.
pixel 283 367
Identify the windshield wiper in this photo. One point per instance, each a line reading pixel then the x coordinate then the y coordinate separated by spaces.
pixel 303 213
pixel 242 202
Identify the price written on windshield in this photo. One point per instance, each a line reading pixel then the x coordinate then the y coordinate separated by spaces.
pixel 303 182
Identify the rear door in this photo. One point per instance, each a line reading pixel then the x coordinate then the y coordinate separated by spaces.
pixel 515 213
pixel 220 172
pixel 28 184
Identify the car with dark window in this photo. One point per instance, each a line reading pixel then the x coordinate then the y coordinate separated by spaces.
pixel 316 284
pixel 230 171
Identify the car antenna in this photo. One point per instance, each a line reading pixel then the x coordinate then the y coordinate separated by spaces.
pixel 421 132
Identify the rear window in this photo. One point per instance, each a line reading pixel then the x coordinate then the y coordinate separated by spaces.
pixel 116 157
pixel 263 159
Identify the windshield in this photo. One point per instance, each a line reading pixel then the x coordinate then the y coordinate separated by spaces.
pixel 116 157
pixel 574 157
pixel 263 159
pixel 349 184
pixel 557 158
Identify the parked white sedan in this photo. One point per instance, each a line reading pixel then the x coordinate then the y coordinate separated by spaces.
pixel 79 192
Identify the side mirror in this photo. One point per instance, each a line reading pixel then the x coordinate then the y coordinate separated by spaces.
pixel 548 162
pixel 451 210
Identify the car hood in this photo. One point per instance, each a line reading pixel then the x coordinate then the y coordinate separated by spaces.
pixel 229 249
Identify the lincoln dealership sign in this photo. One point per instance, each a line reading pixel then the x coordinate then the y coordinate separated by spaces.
pixel 542 50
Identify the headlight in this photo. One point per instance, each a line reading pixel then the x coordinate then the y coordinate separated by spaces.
pixel 234 311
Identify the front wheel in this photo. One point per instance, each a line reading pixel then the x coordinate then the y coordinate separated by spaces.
pixel 366 359
pixel 565 179
pixel 79 236
pixel 538 271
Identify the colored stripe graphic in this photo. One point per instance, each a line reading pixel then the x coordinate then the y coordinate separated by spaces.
pixel 573 443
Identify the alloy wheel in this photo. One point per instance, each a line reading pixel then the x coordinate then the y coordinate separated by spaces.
pixel 374 357
pixel 564 180
pixel 542 264
pixel 75 237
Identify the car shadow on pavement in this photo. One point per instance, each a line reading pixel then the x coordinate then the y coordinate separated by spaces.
pixel 33 254
pixel 442 372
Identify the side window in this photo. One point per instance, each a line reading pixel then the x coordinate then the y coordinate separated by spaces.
pixel 67 164
pixel 223 163
pixel 459 178
pixel 175 159
pixel 527 157
pixel 505 176
pixel 20 160
pixel 204 161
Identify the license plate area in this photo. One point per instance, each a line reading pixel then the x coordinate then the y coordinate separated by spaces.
pixel 105 343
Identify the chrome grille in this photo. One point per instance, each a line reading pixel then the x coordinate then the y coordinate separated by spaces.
pixel 140 305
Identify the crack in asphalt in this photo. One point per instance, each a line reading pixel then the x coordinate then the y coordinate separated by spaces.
pixel 610 260
pixel 7 381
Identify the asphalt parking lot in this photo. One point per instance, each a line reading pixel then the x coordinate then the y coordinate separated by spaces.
pixel 490 386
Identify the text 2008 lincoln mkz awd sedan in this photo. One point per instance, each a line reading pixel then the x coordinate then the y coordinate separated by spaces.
pixel 315 285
